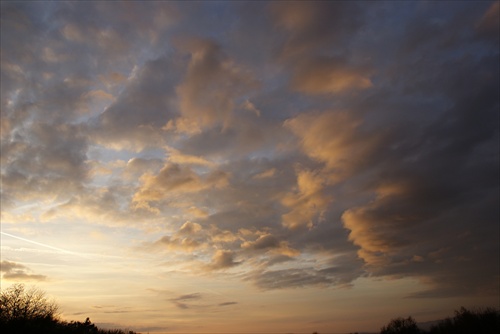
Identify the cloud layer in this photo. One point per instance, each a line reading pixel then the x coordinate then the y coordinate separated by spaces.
pixel 329 142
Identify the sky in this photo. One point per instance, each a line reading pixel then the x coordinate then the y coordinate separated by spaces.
pixel 251 166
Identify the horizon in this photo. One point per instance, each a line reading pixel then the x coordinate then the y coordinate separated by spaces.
pixel 278 166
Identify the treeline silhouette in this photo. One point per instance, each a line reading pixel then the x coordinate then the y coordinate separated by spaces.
pixel 479 321
pixel 29 311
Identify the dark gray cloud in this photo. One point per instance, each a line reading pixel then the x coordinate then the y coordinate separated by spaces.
pixel 312 25
pixel 184 301
pixel 189 296
pixel 436 164
pixel 42 160
pixel 146 104
pixel 18 272
pixel 340 271
pixel 289 278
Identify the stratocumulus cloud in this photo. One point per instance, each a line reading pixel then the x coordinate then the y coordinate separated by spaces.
pixel 276 146
pixel 16 271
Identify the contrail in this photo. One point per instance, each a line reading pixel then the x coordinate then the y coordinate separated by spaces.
pixel 43 245
pixel 84 255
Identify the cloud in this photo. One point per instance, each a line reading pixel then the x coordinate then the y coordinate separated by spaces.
pixel 268 242
pixel 315 24
pixel 263 242
pixel 192 300
pixel 135 120
pixel 100 205
pixel 175 156
pixel 222 259
pixel 187 238
pixel 489 23
pixel 112 79
pixel 43 161
pixel 15 271
pixel 389 232
pixel 327 142
pixel 212 82
pixel 330 76
pixel 249 135
pixel 335 138
pixel 308 203
pixel 182 301
pixel 175 179
pixel 409 171
pixel 420 186
pixel 289 278
pixel 113 309
pixel 266 174
pixel 184 244
pixel 136 167
pixel 191 296
pixel 328 269
pixel 189 228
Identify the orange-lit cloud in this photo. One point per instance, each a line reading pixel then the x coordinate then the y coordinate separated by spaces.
pixel 268 242
pixel 307 203
pixel 223 259
pixel 330 76
pixel 188 238
pixel 174 179
pixel 490 22
pixel 334 138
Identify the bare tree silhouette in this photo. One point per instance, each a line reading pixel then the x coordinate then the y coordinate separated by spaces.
pixel 401 326
pixel 20 304
pixel 30 311
pixel 481 321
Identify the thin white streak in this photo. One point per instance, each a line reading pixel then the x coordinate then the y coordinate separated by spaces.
pixel 43 245
pixel 56 249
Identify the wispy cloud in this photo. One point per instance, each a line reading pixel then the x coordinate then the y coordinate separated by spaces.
pixel 184 301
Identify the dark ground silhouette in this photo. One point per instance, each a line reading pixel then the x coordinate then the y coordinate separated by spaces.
pixel 29 311
pixel 480 321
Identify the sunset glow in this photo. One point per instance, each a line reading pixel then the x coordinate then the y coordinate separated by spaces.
pixel 251 167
